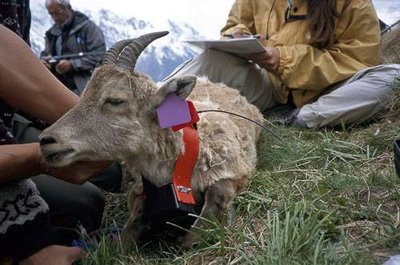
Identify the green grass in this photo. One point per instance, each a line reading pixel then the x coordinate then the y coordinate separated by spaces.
pixel 318 197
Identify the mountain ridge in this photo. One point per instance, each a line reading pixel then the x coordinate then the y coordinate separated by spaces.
pixel 157 60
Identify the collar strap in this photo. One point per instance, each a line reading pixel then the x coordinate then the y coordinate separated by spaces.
pixel 186 161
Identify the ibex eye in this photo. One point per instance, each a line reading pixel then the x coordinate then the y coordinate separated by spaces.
pixel 114 101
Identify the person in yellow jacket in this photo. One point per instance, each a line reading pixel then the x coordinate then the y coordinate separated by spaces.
pixel 321 57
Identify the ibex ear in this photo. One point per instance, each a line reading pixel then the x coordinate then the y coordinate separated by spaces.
pixel 181 86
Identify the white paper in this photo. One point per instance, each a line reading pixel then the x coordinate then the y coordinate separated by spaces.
pixel 237 46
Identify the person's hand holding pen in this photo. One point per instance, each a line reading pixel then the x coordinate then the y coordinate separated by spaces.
pixel 269 60
pixel 240 34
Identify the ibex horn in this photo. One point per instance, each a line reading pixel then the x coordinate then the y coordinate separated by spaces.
pixel 114 51
pixel 130 54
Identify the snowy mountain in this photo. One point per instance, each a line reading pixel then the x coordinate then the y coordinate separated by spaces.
pixel 157 60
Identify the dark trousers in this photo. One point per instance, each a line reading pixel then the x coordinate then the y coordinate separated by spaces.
pixel 70 205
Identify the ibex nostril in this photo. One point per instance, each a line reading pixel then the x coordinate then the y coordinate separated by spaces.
pixel 47 140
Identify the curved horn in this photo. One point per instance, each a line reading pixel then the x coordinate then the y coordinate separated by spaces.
pixel 112 54
pixel 130 54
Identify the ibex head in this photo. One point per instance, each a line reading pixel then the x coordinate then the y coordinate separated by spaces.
pixel 116 115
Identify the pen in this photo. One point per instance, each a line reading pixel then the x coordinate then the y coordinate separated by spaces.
pixel 257 36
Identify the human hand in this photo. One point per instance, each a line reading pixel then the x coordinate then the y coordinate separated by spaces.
pixel 269 60
pixel 63 66
pixel 238 33
pixel 78 172
pixel 55 254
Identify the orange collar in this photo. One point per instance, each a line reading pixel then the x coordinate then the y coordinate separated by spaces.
pixel 186 161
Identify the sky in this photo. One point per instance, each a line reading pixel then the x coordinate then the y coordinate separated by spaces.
pixel 206 16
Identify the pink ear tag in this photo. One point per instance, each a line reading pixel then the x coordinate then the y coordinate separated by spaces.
pixel 173 111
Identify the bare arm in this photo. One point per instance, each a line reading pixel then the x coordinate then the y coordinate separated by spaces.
pixel 26 84
pixel 25 160
pixel 19 160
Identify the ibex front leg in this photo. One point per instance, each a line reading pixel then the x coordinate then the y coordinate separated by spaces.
pixel 217 201
pixel 134 226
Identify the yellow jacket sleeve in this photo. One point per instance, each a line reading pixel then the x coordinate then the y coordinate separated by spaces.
pixel 240 18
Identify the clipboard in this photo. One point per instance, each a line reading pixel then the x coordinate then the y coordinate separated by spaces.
pixel 237 46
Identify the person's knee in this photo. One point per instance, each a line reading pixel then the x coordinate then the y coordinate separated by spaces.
pixel 110 179
pixel 385 74
pixel 392 67
pixel 71 205
pixel 83 211
pixel 89 206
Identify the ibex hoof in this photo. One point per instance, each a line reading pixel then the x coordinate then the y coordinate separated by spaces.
pixel 189 241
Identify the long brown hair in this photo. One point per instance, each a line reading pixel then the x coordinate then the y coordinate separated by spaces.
pixel 321 17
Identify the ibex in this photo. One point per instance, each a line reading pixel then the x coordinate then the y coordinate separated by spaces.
pixel 116 120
